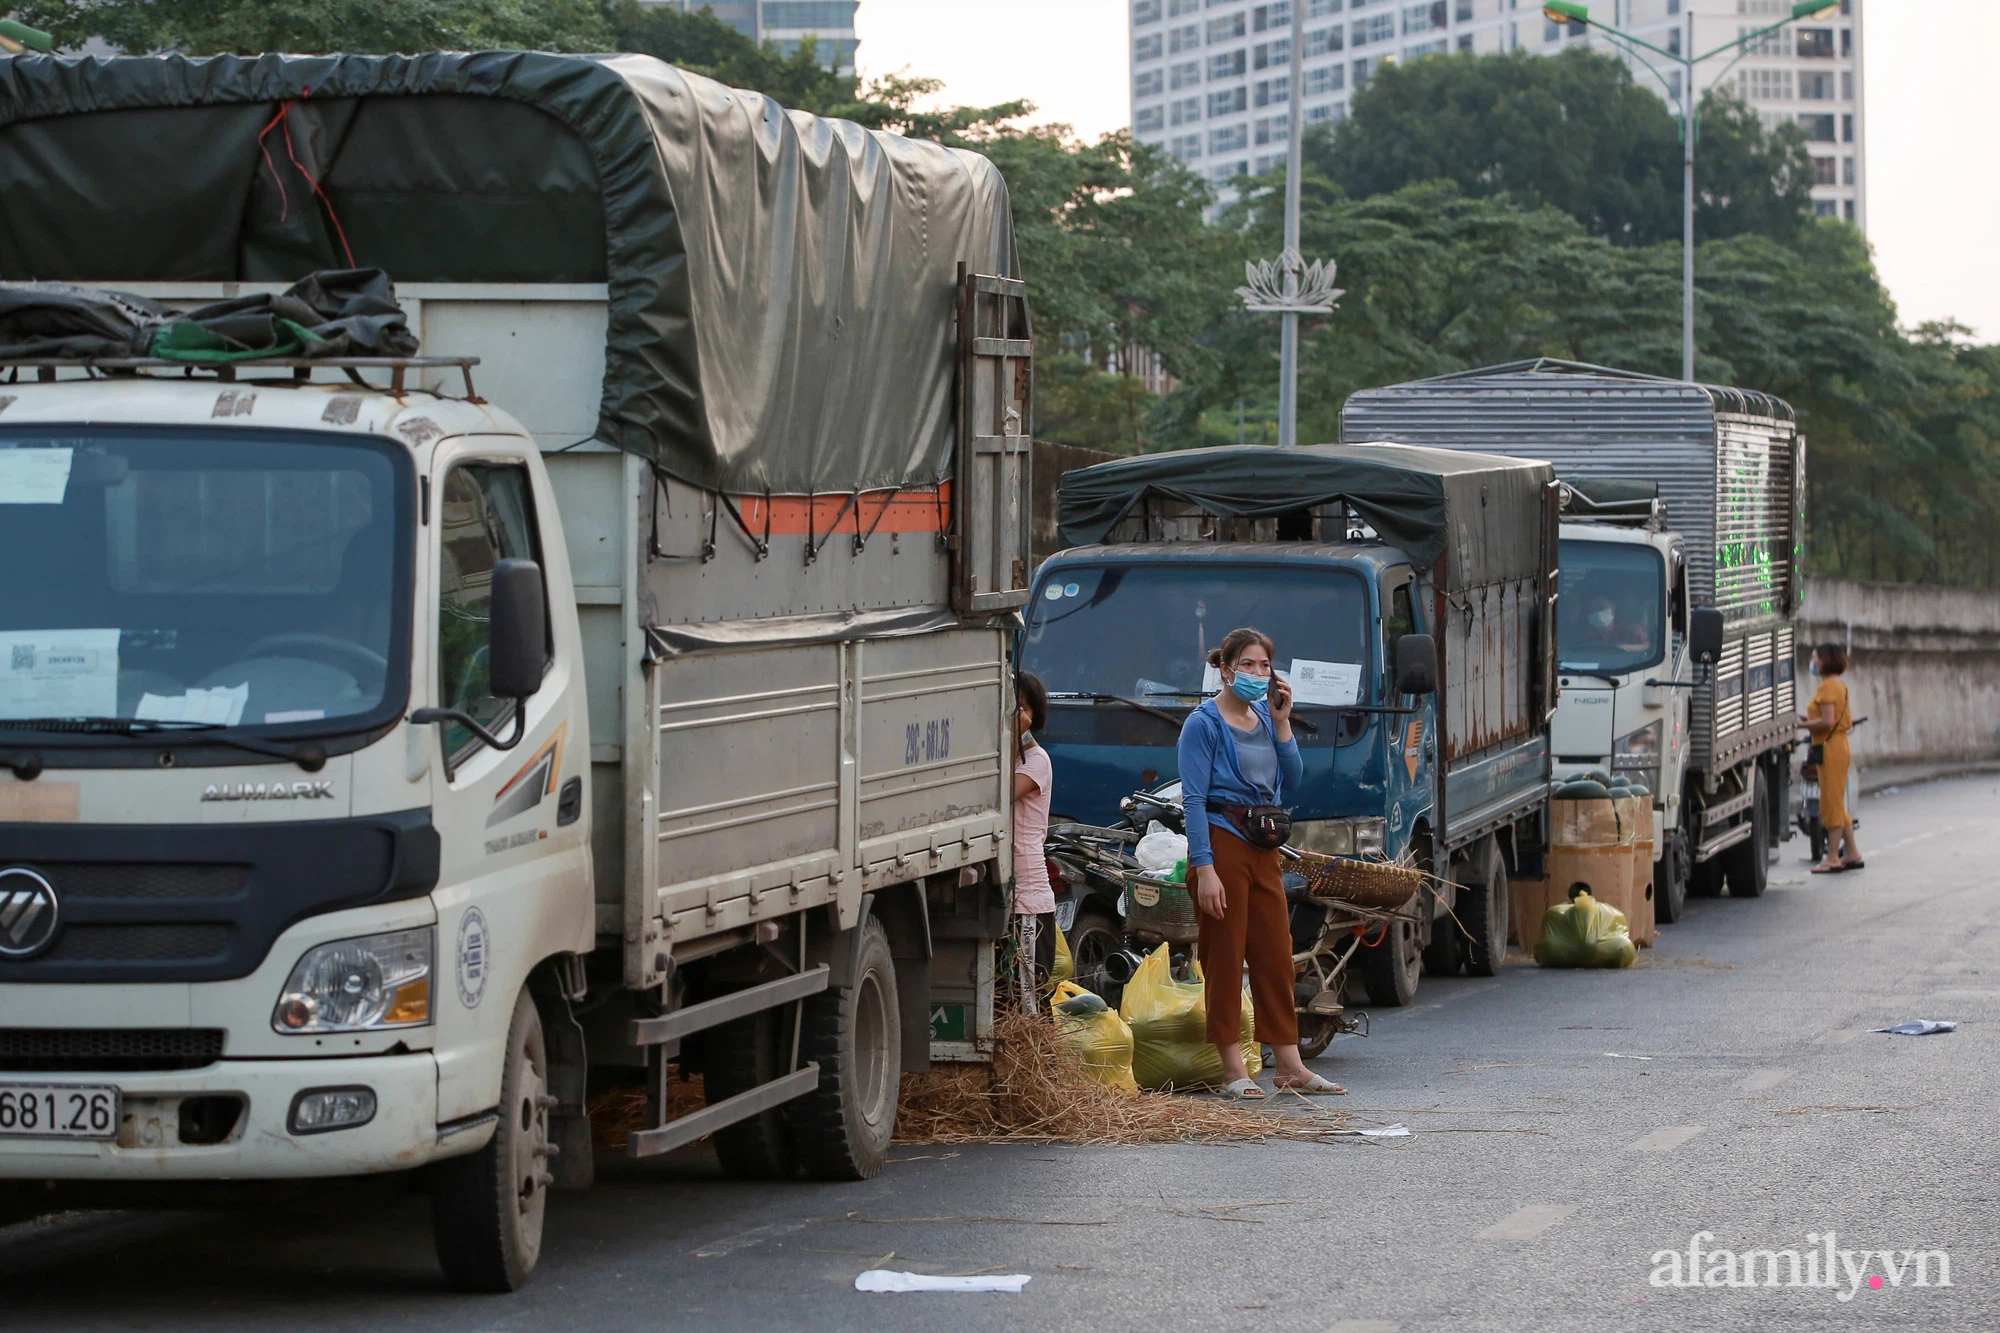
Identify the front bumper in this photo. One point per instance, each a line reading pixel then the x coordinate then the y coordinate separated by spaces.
pixel 403 1134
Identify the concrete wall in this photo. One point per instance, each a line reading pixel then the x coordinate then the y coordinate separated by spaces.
pixel 1050 462
pixel 1923 667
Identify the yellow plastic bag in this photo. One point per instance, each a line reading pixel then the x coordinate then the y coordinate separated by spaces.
pixel 1095 1031
pixel 1065 964
pixel 1169 1022
pixel 1584 933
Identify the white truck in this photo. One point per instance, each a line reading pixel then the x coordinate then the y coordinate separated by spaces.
pixel 1680 550
pixel 384 770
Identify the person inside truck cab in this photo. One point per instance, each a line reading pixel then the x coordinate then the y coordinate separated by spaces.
pixel 1602 624
pixel 1237 760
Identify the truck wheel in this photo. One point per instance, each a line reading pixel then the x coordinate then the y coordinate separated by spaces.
pixel 740 1056
pixel 1390 969
pixel 841 1128
pixel 1485 913
pixel 487 1207
pixel 1745 864
pixel 1445 955
pixel 1671 882
pixel 1094 938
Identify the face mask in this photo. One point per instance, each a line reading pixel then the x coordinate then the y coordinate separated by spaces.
pixel 1602 619
pixel 1812 668
pixel 1250 689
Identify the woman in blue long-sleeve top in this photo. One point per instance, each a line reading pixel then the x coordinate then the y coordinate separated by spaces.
pixel 1237 751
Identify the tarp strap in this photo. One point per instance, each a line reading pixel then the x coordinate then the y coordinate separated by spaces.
pixel 761 545
pixel 653 538
pixel 813 547
pixel 944 519
pixel 860 537
pixel 284 118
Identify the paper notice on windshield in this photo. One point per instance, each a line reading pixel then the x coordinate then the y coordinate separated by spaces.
pixel 221 706
pixel 59 673
pixel 33 476
pixel 1333 684
pixel 1211 679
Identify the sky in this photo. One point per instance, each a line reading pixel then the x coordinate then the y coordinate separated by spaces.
pixel 1933 150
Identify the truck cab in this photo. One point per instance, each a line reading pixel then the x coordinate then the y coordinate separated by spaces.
pixel 1120 635
pixel 1625 670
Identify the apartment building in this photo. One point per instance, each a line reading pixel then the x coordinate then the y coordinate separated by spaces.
pixel 787 23
pixel 1211 79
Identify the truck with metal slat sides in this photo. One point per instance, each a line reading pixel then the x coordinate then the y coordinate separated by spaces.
pixel 1681 550
pixel 386 772
pixel 1409 592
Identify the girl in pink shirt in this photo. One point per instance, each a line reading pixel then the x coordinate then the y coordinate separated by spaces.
pixel 1034 783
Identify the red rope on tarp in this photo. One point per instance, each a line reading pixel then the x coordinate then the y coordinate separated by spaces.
pixel 285 203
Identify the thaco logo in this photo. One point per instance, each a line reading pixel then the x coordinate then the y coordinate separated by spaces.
pixel 1819 1263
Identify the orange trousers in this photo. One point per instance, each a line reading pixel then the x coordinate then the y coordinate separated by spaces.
pixel 1256 927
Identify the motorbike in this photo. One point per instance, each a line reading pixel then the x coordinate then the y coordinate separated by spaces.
pixel 1114 911
pixel 1808 817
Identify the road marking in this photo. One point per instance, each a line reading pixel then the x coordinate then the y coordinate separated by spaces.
pixel 1665 1139
pixel 744 1240
pixel 1528 1223
pixel 1362 1326
pixel 1918 837
pixel 1764 1080
pixel 1947 969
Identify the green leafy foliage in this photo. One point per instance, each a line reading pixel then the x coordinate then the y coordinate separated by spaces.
pixel 246 27
pixel 1572 132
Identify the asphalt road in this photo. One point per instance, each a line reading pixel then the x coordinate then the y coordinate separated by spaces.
pixel 1568 1125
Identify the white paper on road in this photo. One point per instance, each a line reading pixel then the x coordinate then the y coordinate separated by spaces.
pixel 33 476
pixel 1386 1132
pixel 883 1279
pixel 1334 684
pixel 220 706
pixel 1920 1027
pixel 59 673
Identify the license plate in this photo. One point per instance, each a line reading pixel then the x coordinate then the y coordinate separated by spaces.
pixel 58 1111
pixel 1066 914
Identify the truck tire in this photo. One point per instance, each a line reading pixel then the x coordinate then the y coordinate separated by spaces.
pixel 487 1207
pixel 740 1056
pixel 1485 911
pixel 1390 969
pixel 1445 955
pixel 1670 881
pixel 841 1129
pixel 1745 866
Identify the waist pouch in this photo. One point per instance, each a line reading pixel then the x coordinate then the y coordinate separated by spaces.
pixel 1264 827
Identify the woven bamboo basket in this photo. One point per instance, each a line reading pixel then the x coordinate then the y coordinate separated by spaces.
pixel 1343 879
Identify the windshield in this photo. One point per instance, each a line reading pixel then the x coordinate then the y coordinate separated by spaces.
pixel 1613 598
pixel 1144 630
pixel 246 578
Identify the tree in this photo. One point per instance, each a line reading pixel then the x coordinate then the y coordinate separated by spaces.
pixel 1572 132
pixel 248 27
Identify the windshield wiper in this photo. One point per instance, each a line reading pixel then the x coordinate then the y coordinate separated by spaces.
pixel 1148 709
pixel 1612 681
pixel 310 757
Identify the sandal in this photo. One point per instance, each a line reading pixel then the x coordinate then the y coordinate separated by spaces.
pixel 1828 870
pixel 1316 1086
pixel 1852 865
pixel 1244 1090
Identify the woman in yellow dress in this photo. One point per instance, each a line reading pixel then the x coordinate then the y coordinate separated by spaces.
pixel 1829 721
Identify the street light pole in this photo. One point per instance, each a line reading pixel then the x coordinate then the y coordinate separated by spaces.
pixel 1291 287
pixel 1288 352
pixel 1573 11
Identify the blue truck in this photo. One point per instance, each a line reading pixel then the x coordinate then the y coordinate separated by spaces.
pixel 1411 595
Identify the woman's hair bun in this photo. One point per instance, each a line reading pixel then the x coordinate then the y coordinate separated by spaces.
pixel 1215 657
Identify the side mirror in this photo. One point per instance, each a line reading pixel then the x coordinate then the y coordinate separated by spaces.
pixel 517 647
pixel 1705 635
pixel 1416 664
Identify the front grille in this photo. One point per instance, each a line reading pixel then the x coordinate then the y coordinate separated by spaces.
pixel 173 942
pixel 125 883
pixel 46 1050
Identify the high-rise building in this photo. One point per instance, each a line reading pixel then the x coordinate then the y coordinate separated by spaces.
pixel 1211 79
pixel 787 23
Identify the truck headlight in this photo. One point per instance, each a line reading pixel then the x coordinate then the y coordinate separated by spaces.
pixel 1638 749
pixel 377 981
pixel 1340 837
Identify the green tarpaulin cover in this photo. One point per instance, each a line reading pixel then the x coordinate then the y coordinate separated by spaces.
pixel 781 286
pixel 1481 513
